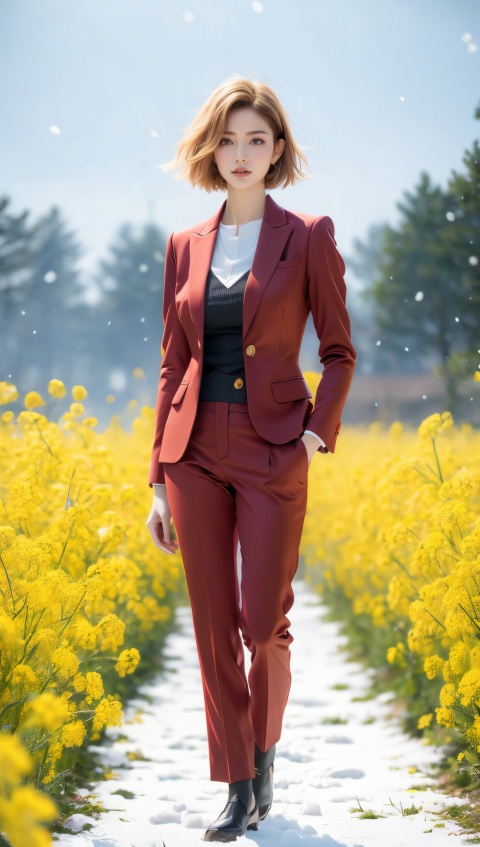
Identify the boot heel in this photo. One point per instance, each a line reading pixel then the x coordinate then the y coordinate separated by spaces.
pixel 254 819
pixel 263 811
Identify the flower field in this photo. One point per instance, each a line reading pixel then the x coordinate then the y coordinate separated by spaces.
pixel 391 541
pixel 85 596
pixel 399 562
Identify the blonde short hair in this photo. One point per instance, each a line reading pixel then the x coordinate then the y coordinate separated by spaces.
pixel 195 150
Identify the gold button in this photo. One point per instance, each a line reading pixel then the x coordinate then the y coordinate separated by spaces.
pixel 238 383
pixel 250 351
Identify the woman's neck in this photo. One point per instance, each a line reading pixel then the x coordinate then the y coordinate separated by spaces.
pixel 241 208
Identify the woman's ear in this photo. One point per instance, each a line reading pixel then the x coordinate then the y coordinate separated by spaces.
pixel 279 148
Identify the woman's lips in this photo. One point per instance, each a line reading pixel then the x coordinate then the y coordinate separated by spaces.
pixel 241 173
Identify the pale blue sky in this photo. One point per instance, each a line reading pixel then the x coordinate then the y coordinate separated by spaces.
pixel 376 91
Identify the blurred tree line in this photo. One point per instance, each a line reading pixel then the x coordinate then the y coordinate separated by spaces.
pixel 421 291
pixel 54 325
pixel 419 308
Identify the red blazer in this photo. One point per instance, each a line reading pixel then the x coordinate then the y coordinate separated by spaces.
pixel 296 269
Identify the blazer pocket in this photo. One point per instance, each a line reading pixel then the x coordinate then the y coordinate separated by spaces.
pixel 289 263
pixel 294 388
pixel 179 392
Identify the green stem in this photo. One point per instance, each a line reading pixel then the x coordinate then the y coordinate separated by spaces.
pixel 8 580
pixel 75 609
pixel 29 637
pixel 440 475
pixel 64 547
pixel 403 567
pixel 42 765
pixel 435 619
pixel 439 566
pixel 475 623
pixel 47 445
pixel 432 471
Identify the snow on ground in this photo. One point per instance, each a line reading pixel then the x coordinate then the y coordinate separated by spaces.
pixel 335 752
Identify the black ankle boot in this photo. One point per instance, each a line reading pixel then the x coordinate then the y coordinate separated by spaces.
pixel 263 781
pixel 235 818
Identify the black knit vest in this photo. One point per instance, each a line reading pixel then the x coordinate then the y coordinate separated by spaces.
pixel 223 362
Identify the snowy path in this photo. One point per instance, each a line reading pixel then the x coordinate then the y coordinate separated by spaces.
pixel 333 752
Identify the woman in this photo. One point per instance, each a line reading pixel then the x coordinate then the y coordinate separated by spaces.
pixel 231 451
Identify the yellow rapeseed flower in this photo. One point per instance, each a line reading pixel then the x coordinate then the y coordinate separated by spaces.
pixel 16 762
pixel 110 633
pixel 79 682
pixel 7 536
pixel 93 686
pixel 56 388
pixel 8 393
pixel 447 420
pixel 476 376
pixel 127 661
pixel 469 687
pixel 24 677
pixel 7 417
pixel 107 713
pixel 77 409
pixel 33 399
pixel 432 665
pixel 447 695
pixel 444 716
pixel 396 655
pixel 47 712
pixel 79 392
pixel 430 426
pixel 65 662
pixel 424 721
pixel 24 814
pixel 73 734
pixel 396 429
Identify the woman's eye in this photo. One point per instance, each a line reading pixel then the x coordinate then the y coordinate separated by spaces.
pixel 253 139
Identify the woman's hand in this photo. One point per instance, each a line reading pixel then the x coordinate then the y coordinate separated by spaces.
pixel 159 519
pixel 311 445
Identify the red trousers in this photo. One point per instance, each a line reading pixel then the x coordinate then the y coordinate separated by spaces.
pixel 230 486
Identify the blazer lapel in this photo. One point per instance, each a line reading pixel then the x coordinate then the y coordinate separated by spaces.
pixel 274 232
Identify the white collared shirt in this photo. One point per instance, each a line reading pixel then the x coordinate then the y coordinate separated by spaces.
pixel 235 253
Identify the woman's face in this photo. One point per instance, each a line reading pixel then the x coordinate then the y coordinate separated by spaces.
pixel 246 143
